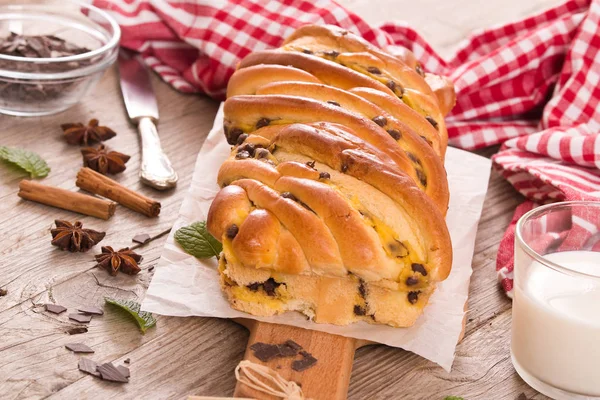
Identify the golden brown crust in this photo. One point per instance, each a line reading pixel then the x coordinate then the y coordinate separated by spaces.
pixel 444 91
pixel 247 80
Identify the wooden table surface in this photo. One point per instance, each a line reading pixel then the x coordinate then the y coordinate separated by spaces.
pixel 193 356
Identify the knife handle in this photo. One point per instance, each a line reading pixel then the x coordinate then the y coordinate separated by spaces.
pixel 156 170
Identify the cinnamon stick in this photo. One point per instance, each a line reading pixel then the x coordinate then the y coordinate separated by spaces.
pixel 67 200
pixel 94 182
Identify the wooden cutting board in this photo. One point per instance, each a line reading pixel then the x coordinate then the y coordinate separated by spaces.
pixel 328 379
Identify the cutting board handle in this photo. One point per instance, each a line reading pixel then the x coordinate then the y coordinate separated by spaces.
pixel 327 379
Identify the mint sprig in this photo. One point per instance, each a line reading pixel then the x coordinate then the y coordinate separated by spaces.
pixel 143 319
pixel 197 241
pixel 26 160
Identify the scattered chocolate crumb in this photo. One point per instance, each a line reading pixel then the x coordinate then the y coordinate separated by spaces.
pixel 111 373
pixel 141 238
pixel 82 318
pixel 127 361
pixel 55 308
pixel 124 371
pixel 311 164
pixel 90 310
pixel 77 330
pixel 470 320
pixel 88 366
pixel 79 348
pixel 151 268
pixel 307 361
pixel 3 292
pixel 265 352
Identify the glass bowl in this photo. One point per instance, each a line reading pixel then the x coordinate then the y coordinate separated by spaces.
pixel 34 85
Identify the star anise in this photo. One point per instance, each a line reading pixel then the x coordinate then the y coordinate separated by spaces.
pixel 101 160
pixel 84 134
pixel 73 237
pixel 113 261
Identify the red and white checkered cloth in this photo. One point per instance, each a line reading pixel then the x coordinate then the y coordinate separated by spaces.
pixel 533 85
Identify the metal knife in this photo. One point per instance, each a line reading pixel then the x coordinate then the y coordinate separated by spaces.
pixel 140 102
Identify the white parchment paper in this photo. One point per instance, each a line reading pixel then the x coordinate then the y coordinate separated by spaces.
pixel 185 286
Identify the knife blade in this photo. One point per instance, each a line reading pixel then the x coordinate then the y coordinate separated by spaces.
pixel 142 109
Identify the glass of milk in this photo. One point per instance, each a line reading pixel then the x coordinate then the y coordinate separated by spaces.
pixel 555 344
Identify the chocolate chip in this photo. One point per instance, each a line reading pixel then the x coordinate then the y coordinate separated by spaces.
pixel 262 153
pixel 324 175
pixel 3 292
pixel 91 310
pixel 77 330
pixel 391 85
pixel 411 281
pixel 269 286
pixel 233 134
pixel 242 138
pixel 109 372
pixel 310 164
pixel 344 167
pixel 374 70
pixel 82 318
pixel 432 121
pixel 253 286
pixel 151 268
pixel 124 371
pixel 419 70
pixel 248 147
pixel 358 310
pixel 413 158
pixel 79 348
pixel 264 351
pixel 141 238
pixel 362 289
pixel 55 308
pixel 381 121
pixel 127 361
pixel 232 231
pixel 419 268
pixel 395 134
pixel 307 51
pixel 422 177
pixel 307 361
pixel 413 297
pixel 262 122
pixel 331 53
pixel 335 103
pixel 288 195
pixel 242 155
pixel 88 366
pixel 397 249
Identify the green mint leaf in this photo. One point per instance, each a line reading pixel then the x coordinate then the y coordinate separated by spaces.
pixel 143 319
pixel 196 241
pixel 26 160
pixel 453 398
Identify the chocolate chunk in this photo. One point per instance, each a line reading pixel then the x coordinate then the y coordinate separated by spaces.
pixel 307 361
pixel 422 177
pixel 331 53
pixel 151 268
pixel 82 318
pixel 91 310
pixel 293 345
pixel 335 103
pixel 419 70
pixel 77 330
pixel 344 167
pixel 395 134
pixel 253 286
pixel 265 352
pixel 127 361
pixel 141 238
pixel 324 175
pixel 242 155
pixel 232 231
pixel 3 292
pixel 55 308
pixel 262 122
pixel 413 297
pixel 432 121
pixel 109 372
pixel 270 285
pixel 391 85
pixel 242 138
pixel 358 310
pixel 374 70
pixel 289 349
pixel 262 153
pixel 233 135
pixel 419 268
pixel 124 371
pixel 411 281
pixel 307 51
pixel 381 121
pixel 79 348
pixel 288 195
pixel 88 366
pixel 248 147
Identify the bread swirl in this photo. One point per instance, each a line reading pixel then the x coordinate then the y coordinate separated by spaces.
pixel 334 196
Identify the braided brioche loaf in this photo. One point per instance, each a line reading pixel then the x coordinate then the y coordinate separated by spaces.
pixel 334 196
